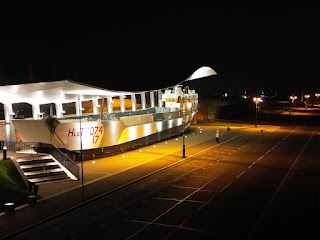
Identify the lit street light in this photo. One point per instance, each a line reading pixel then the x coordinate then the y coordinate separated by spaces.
pixel 292 99
pixel 306 103
pixel 189 105
pixel 257 100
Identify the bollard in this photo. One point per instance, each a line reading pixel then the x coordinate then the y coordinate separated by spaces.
pixel 261 133
pixel 35 189
pixel 9 208
pixel 32 199
pixel 217 135
pixel 30 186
pixel 4 149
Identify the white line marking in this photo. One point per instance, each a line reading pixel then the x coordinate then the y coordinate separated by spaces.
pixel 241 173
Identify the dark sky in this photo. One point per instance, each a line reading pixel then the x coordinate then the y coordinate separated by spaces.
pixel 148 46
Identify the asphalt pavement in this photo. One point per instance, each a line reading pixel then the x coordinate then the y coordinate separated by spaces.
pixel 105 175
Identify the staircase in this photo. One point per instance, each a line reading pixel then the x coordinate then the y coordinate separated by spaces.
pixel 41 169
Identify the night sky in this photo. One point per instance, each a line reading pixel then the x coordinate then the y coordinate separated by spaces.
pixel 148 46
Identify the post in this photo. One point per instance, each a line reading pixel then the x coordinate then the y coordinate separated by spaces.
pixel 4 149
pixel 256 114
pixel 183 134
pixel 81 158
pixel 217 135
pixel 256 100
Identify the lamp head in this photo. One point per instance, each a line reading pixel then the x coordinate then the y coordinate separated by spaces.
pixel 201 73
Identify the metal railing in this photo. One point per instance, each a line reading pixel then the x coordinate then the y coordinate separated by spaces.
pixel 19 146
pixel 43 148
pixel 61 157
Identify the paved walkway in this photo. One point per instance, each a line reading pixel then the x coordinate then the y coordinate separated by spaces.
pixel 108 174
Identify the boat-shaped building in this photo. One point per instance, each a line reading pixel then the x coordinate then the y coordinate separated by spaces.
pixel 78 118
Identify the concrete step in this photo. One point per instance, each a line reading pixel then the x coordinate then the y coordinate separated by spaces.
pixel 39 167
pixel 34 161
pixel 48 179
pixel 35 174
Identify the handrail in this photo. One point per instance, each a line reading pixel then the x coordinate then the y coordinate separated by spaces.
pixel 61 157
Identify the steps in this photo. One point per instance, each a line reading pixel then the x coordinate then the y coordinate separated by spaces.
pixel 41 169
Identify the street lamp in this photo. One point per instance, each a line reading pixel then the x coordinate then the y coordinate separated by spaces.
pixel 257 100
pixel 292 99
pixel 199 73
pixel 189 105
pixel 306 97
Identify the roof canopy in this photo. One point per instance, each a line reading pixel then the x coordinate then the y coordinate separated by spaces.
pixel 66 91
pixel 57 91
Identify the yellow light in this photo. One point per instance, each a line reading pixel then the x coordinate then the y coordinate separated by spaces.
pixel 257 99
pixel 189 104
pixel 293 97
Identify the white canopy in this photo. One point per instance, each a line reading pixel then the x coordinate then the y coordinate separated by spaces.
pixel 57 91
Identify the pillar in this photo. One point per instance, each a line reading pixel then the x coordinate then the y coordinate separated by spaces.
pixel 143 100
pixel 133 102
pixel 9 129
pixel 35 111
pixel 152 99
pixel 159 98
pixel 122 104
pixel 59 110
pixel 109 103
pixel 79 108
pixel 95 106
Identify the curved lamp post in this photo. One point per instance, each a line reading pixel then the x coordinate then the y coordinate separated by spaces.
pixel 199 73
pixel 257 100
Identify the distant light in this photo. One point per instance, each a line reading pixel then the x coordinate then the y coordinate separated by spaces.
pixel 123 156
pixel 93 162
pixel 257 99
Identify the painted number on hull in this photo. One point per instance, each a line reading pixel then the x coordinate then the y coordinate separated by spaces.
pixel 90 134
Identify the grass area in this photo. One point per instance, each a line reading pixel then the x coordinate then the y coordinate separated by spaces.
pixel 12 187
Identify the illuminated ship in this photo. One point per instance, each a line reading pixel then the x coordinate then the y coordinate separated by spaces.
pixel 97 122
